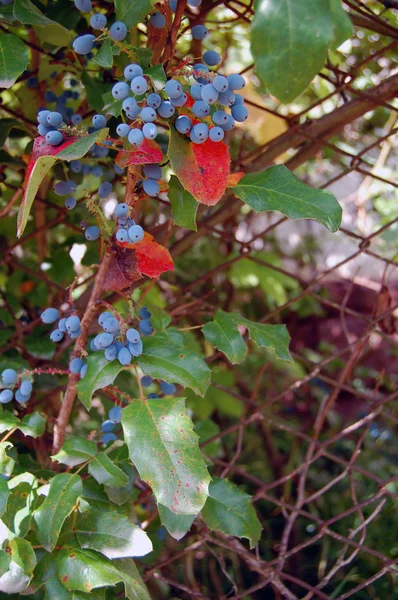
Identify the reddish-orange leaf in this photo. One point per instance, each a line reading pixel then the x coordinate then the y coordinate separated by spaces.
pixel 203 169
pixel 234 178
pixel 153 259
pixel 147 153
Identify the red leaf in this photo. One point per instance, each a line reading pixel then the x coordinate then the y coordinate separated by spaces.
pixel 41 148
pixel 147 153
pixel 203 169
pixel 153 259
pixel 123 271
pixel 234 178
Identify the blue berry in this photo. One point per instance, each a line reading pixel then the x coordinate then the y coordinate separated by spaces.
pixel 220 83
pixel 238 100
pixel 108 437
pixel 70 203
pixel 122 236
pixel 120 90
pixel 151 187
pixel 20 397
pixel 220 117
pixel 157 20
pixel 180 101
pixel 139 85
pixel 168 389
pixel 42 116
pixel 150 131
pixel 194 138
pixel 145 313
pixel 239 113
pixel 83 371
pixel 76 119
pixel 9 376
pixel 201 109
pixel 104 340
pixel 104 189
pixel 173 88
pixel 230 124
pixel 111 325
pixel 86 169
pixel 44 129
pixel 6 396
pixel 226 98
pixel 173 5
pixel 129 104
pixel 98 21
pixel 153 396
pixel 135 349
pixel 50 96
pixel 136 233
pixel 115 414
pixel 104 316
pixel 153 171
pixel 75 334
pixel 134 113
pixel 146 381
pixel 145 326
pixel 62 325
pixel 132 335
pixel 26 388
pixel 110 352
pixel 50 315
pixel 183 124
pixel 83 44
pixel 84 6
pixel 166 109
pixel 97 171
pixel 118 170
pixel 201 131
pixel 199 32
pixel 148 114
pixel 121 209
pixel 63 188
pixel 196 91
pixel 123 129
pixel 132 71
pixel 135 137
pixel 194 3
pixel 107 426
pixel 211 58
pixel 32 82
pixel 72 323
pixel 154 100
pixel 92 233
pixel 216 134
pixel 236 81
pixel 56 335
pixel 124 356
pixel 118 31
pixel 75 365
pixel 54 138
pixel 99 121
pixel 209 94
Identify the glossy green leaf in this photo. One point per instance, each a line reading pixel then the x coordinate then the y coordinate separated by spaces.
pixel 278 189
pixel 84 570
pixel 112 535
pixel 4 494
pixel 105 471
pixel 162 429
pixel 6 125
pixel 76 451
pixel 167 360
pixel 18 514
pixel 6 462
pixel 80 148
pixel 230 510
pixel 22 553
pixel 111 106
pixel 132 12
pixel 223 333
pixel 342 24
pixel 95 89
pixel 55 590
pixel 272 337
pixel 5 560
pixel 183 205
pixel 8 421
pixel 160 319
pixel 176 525
pixel 28 13
pixel 157 76
pixel 100 373
pixel 63 494
pixel 33 425
pixel 104 56
pixel 13 59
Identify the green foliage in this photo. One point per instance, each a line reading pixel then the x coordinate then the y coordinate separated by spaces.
pixel 183 205
pixel 13 59
pixel 100 374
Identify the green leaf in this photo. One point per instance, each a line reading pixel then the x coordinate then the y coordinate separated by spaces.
pixel 18 514
pixel 111 106
pixel 22 553
pixel 132 12
pixel 76 451
pixel 84 570
pixel 272 337
pixel 278 189
pixel 56 590
pixel 13 59
pixel 105 471
pixel 230 510
pixel 80 148
pixel 164 359
pixel 94 90
pixel 33 425
pixel 5 560
pixel 111 534
pixel 28 13
pixel 222 333
pixel 100 373
pixel 7 124
pixel 104 56
pixel 160 319
pixel 162 429
pixel 4 494
pixel 183 204
pixel 157 75
pixel 176 525
pixel 8 421
pixel 342 24
pixel 6 462
pixel 64 491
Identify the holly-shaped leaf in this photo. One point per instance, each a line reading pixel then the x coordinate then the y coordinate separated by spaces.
pixel 105 471
pixel 176 525
pixel 146 153
pixel 22 553
pixel 183 205
pixel 8 421
pixel 13 59
pixel 18 514
pixel 203 169
pixel 132 12
pixel 76 451
pixel 230 510
pixel 62 497
pixel 33 425
pixel 100 373
pixel 164 449
pixel 272 337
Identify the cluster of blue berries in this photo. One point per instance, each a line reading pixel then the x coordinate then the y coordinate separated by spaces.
pixel 128 231
pixel 9 378
pixel 108 426
pixel 69 325
pixel 167 389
